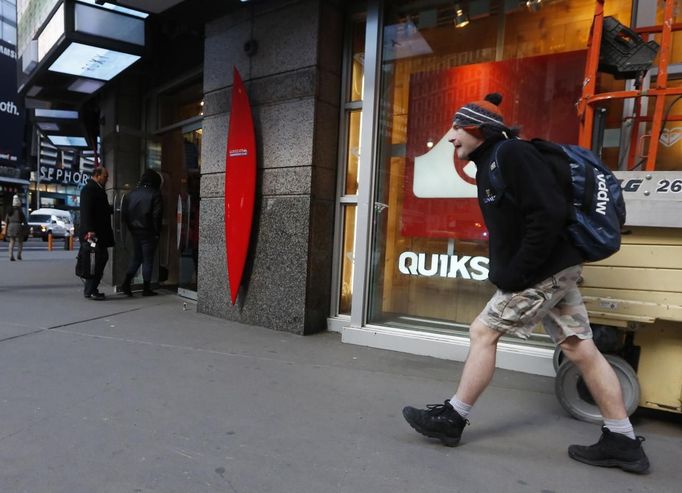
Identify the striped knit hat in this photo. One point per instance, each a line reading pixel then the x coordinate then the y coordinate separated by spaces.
pixel 481 113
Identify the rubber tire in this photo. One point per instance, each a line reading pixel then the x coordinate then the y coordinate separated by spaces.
pixel 568 380
pixel 558 358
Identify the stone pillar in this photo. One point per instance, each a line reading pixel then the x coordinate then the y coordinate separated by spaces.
pixel 122 154
pixel 293 81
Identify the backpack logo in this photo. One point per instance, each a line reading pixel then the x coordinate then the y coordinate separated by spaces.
pixel 489 197
pixel 602 194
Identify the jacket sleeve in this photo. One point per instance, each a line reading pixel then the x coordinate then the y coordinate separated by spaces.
pixel 533 185
pixel 124 211
pixel 87 219
pixel 157 213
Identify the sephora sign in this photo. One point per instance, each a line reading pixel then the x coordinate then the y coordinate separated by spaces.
pixel 50 174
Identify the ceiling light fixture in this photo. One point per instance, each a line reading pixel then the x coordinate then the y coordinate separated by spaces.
pixel 461 18
pixel 534 5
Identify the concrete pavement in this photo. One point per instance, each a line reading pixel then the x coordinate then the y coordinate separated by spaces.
pixel 145 395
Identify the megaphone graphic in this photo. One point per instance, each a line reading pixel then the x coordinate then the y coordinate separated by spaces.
pixel 438 175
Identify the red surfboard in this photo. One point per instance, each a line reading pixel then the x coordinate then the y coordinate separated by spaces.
pixel 240 184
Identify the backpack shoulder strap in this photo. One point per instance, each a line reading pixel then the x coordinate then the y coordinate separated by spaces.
pixel 558 156
pixel 496 177
pixel 578 154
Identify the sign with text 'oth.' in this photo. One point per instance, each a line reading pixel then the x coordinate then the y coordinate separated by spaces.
pixel 11 110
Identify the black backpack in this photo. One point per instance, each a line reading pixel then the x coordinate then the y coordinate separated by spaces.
pixel 597 211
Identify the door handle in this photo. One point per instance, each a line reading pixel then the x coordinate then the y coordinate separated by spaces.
pixel 188 214
pixel 119 229
pixel 179 218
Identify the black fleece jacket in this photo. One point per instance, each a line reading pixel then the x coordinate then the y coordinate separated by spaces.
pixel 527 222
pixel 142 211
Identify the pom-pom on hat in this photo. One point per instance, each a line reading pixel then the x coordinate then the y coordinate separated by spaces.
pixel 481 113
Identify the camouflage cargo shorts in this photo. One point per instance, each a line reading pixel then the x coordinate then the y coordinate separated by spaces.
pixel 556 302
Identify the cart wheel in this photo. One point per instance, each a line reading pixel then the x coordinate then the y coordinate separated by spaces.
pixel 558 358
pixel 576 399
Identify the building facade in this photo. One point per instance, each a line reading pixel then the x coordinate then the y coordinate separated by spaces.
pixel 365 223
pixel 13 169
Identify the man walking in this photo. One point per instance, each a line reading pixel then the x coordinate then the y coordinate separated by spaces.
pixel 535 268
pixel 95 225
pixel 142 212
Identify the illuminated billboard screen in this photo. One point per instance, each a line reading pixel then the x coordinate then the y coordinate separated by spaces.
pixel 31 15
pixel 91 61
pixel 11 110
pixel 65 141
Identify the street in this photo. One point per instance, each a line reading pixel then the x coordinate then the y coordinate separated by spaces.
pixel 145 395
pixel 35 245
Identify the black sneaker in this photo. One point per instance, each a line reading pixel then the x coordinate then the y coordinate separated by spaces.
pixel 95 296
pixel 613 450
pixel 439 421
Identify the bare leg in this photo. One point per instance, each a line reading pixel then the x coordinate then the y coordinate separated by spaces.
pixel 480 363
pixel 600 378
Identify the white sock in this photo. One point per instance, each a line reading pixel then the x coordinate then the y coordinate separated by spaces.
pixel 622 426
pixel 462 408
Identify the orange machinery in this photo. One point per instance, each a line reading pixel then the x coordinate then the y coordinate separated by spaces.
pixel 635 296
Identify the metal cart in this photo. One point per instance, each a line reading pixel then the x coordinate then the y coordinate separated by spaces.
pixel 634 298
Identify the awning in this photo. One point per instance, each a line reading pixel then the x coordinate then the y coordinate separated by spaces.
pixel 14 180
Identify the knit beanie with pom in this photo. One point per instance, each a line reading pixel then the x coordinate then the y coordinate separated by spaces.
pixel 484 113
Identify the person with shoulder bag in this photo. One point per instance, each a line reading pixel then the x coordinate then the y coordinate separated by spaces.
pixel 15 223
pixel 95 227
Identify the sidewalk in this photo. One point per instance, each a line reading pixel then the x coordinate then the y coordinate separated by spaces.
pixel 145 395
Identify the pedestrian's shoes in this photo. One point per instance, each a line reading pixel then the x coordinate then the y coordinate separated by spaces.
pixel 613 450
pixel 439 421
pixel 96 296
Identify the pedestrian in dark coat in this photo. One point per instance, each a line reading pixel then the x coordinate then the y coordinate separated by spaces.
pixel 95 225
pixel 142 211
pixel 15 222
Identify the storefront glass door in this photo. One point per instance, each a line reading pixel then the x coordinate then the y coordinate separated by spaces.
pixel 188 213
pixel 179 248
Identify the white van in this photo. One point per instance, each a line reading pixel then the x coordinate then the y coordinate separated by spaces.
pixel 45 221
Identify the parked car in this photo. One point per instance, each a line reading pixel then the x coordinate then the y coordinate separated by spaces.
pixel 44 222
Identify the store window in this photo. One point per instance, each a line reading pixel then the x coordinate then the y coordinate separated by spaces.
pixel 350 160
pixel 429 261
pixel 181 104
